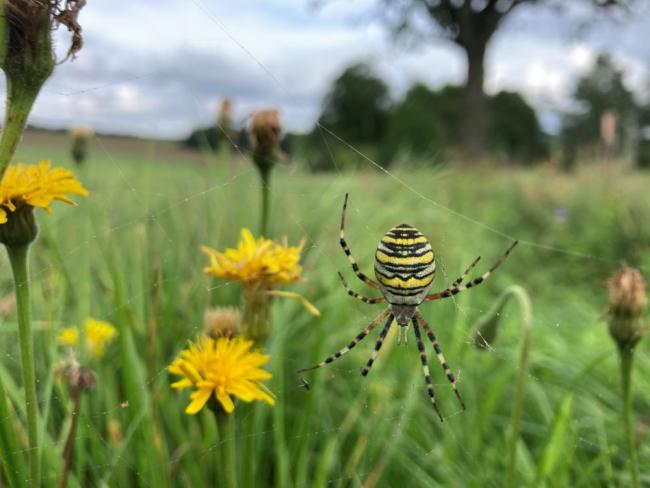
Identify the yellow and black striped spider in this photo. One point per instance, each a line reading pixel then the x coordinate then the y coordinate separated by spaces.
pixel 405 267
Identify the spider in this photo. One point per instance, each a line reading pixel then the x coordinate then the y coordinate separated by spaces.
pixel 405 268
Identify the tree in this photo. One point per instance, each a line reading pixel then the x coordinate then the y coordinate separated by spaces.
pixel 600 91
pixel 428 122
pixel 470 24
pixel 514 129
pixel 424 123
pixel 356 106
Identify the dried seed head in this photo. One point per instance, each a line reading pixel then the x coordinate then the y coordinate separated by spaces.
pixel 30 23
pixel 79 378
pixel 224 115
pixel 80 136
pixel 628 303
pixel 221 322
pixel 80 132
pixel 266 130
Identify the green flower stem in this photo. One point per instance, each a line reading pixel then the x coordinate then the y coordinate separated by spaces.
pixel 265 175
pixel 18 257
pixel 627 357
pixel 20 98
pixel 248 473
pixel 256 322
pixel 227 447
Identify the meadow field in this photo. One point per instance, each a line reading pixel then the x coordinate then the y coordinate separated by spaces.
pixel 130 254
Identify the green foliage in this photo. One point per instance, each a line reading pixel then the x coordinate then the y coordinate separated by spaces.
pixel 424 123
pixel 428 123
pixel 514 129
pixel 205 139
pixel 357 105
pixel 130 254
pixel 601 90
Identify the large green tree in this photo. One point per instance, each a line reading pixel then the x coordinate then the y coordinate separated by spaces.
pixel 356 106
pixel 471 24
pixel 426 123
pixel 354 111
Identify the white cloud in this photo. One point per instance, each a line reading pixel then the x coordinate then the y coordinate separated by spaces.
pixel 159 67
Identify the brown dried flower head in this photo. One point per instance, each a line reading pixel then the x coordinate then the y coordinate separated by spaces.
pixel 30 20
pixel 266 129
pixel 628 303
pixel 80 132
pixel 224 116
pixel 221 322
pixel 79 378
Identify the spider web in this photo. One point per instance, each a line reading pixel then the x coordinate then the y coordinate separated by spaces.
pixel 544 320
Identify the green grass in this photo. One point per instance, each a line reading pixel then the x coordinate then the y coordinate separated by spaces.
pixel 130 254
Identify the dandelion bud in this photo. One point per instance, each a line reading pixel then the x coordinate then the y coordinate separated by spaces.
pixel 80 136
pixel 266 130
pixel 627 307
pixel 221 322
pixel 20 228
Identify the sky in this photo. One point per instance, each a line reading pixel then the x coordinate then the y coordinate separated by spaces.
pixel 159 68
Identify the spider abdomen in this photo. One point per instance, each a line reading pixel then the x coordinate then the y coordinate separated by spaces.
pixel 404 265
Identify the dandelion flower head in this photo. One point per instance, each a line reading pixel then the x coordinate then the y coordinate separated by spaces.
pixel 98 334
pixel 256 261
pixel 36 185
pixel 69 336
pixel 224 368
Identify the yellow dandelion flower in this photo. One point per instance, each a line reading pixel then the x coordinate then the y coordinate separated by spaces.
pixel 256 261
pixel 224 367
pixel 37 186
pixel 69 336
pixel 97 335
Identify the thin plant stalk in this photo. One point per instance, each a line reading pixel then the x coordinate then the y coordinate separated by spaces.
pixel 248 474
pixel 226 429
pixel 18 256
pixel 70 441
pixel 265 175
pixel 627 358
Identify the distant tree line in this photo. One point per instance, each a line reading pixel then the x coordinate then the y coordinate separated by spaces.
pixel 425 125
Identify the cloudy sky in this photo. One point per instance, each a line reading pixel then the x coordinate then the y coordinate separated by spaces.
pixel 159 67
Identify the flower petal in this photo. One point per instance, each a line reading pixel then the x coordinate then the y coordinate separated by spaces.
pixel 199 399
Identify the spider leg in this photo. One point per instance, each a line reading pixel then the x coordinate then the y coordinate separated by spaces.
pixel 453 290
pixel 361 335
pixel 356 295
pixel 348 253
pixel 460 279
pixel 441 357
pixel 425 367
pixel 382 335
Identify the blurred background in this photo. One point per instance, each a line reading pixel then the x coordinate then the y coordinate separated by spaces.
pixel 414 82
pixel 478 122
